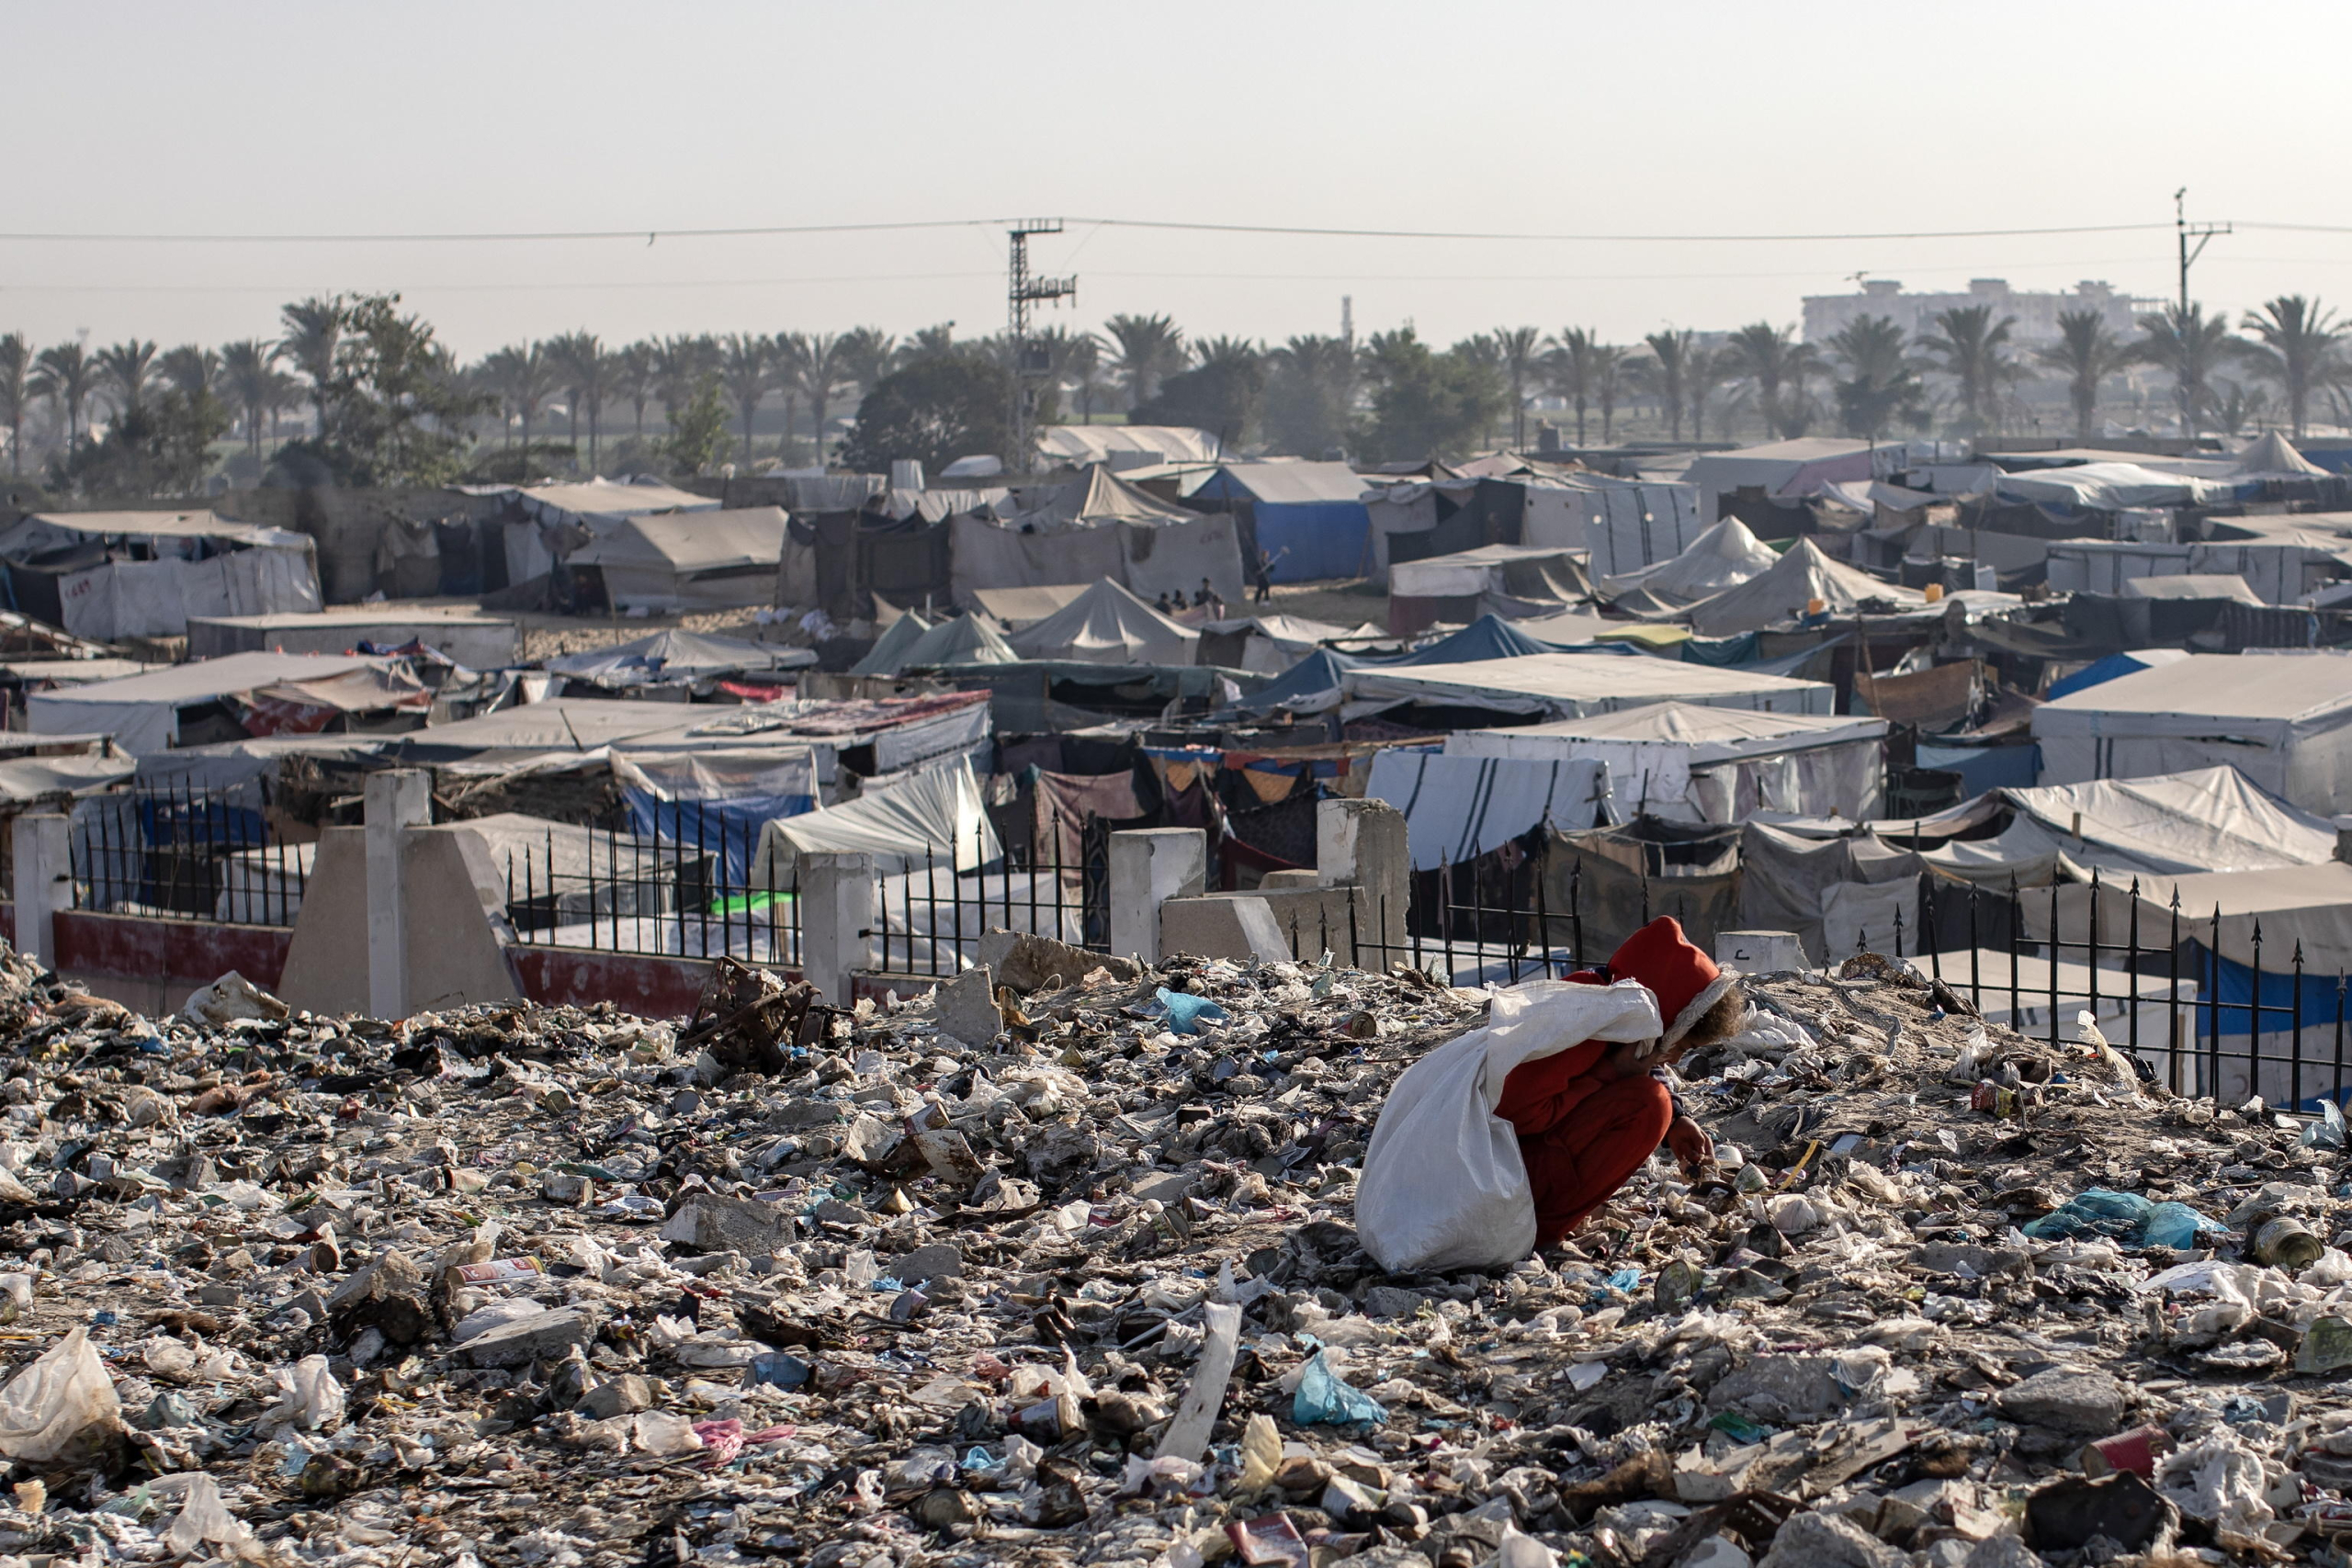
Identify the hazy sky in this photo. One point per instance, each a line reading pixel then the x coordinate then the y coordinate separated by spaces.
pixel 1702 118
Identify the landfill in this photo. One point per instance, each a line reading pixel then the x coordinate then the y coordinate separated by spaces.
pixel 1055 1266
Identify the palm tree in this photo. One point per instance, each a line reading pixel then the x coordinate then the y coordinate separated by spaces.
pixel 747 364
pixel 1880 384
pixel 1708 370
pixel 681 365
pixel 586 370
pixel 2298 350
pixel 929 343
pixel 313 330
pixel 635 371
pixel 1518 353
pixel 249 374
pixel 1778 362
pixel 1607 383
pixel 1149 348
pixel 2239 406
pixel 817 366
pixel 2190 345
pixel 190 369
pixel 128 369
pixel 64 374
pixel 1672 354
pixel 2088 353
pixel 1071 358
pixel 15 393
pixel 1969 342
pixel 1311 395
pixel 868 354
pixel 521 376
pixel 1572 366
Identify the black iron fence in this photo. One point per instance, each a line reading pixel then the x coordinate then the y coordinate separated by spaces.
pixel 188 853
pixel 700 888
pixel 931 914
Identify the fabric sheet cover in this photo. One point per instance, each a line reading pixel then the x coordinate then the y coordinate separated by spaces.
pixel 1106 625
pixel 2284 721
pixel 141 712
pixel 1016 607
pixel 934 811
pixel 1310 516
pixel 2110 487
pixel 1833 893
pixel 673 655
pixel 1573 685
pixel 1456 808
pixel 1467 573
pixel 695 561
pixel 1079 443
pixel 715 802
pixel 1688 764
pixel 2305 905
pixel 2101 671
pixel 1782 593
pixel 1095 526
pixel 31 778
pixel 2274 454
pixel 1625 525
pixel 1723 556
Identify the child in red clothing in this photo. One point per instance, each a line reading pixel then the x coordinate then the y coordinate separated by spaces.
pixel 1589 1117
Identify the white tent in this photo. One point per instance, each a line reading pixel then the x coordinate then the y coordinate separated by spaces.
pixel 2283 719
pixel 1536 572
pixel 960 639
pixel 935 813
pixel 143 712
pixel 1107 625
pixel 674 657
pixel 669 561
pixel 1571 685
pixel 1723 556
pixel 1689 763
pixel 1095 525
pixel 1456 808
pixel 1785 468
pixel 557 514
pixel 1793 581
pixel 2110 487
pixel 1127 445
pixel 2274 454
pixel 247 570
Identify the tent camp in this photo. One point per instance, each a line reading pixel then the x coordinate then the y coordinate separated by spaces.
pixel 671 561
pixel 1723 556
pixel 275 692
pixel 1309 516
pixel 476 641
pixel 1107 625
pixel 2272 453
pixel 1095 525
pixel 931 814
pixel 1269 645
pixel 675 658
pixel 2111 487
pixel 1623 524
pixel 1126 446
pixel 959 640
pixel 2283 719
pixel 2100 670
pixel 1511 581
pixel 108 575
pixel 1574 686
pixel 1792 584
pixel 1781 469
pixel 554 518
pixel 1456 808
pixel 2276 570
pixel 1014 608
pixel 1688 764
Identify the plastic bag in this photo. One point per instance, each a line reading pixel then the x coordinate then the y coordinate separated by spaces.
pixel 1187 1012
pixel 2327 1133
pixel 1324 1396
pixel 1443 1186
pixel 204 1517
pixel 2093 1212
pixel 61 1402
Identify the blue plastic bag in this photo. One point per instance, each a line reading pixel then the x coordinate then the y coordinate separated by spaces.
pixel 1324 1396
pixel 2175 1225
pixel 1187 1012
pixel 2093 1212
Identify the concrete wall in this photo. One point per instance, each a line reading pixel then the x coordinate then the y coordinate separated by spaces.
pixel 453 901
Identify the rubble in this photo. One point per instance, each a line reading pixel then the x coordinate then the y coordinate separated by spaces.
pixel 840 1288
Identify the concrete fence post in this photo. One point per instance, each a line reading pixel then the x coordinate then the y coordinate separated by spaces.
pixel 836 919
pixel 1148 866
pixel 394 800
pixel 1362 844
pixel 43 847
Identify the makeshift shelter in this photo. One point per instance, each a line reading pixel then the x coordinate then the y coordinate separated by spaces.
pixel 1268 645
pixel 2100 670
pixel 1573 685
pixel 2111 487
pixel 1309 516
pixel 958 640
pixel 2272 453
pixel 674 658
pixel 1621 524
pixel 2285 722
pixel 931 816
pixel 1788 470
pixel 250 692
pixel 1511 581
pixel 1126 446
pixel 1014 608
pixel 476 641
pixel 2227 585
pixel 715 802
pixel 1723 556
pixel 1839 895
pixel 547 522
pixel 1457 808
pixel 1785 592
pixel 1688 764
pixel 109 575
pixel 675 561
pixel 1095 526
pixel 1601 884
pixel 2276 570
pixel 1106 625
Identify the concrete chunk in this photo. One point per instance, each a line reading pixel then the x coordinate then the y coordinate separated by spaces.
pixel 540 1337
pixel 966 1007
pixel 2067 1399
pixel 708 1223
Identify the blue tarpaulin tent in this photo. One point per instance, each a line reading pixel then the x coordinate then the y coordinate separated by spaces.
pixel 2114 665
pixel 1310 516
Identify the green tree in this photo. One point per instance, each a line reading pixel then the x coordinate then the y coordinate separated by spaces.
pixel 1311 397
pixel 2239 407
pixel 1779 363
pixel 127 369
pixel 2086 354
pixel 929 343
pixel 1973 347
pixel 1519 352
pixel 2188 345
pixel 636 372
pixel 1707 373
pixel 161 446
pixel 1224 394
pixel 938 409
pixel 1880 385
pixel 698 438
pixel 1074 359
pixel 65 374
pixel 1146 350
pixel 681 365
pixel 584 371
pixel 1572 367
pixel 868 354
pixel 747 367
pixel 1609 384
pixel 190 369
pixel 394 400
pixel 2298 349
pixel 1672 355
pixel 16 395
pixel 522 378
pixel 312 331
pixel 817 366
pixel 250 376
pixel 1426 404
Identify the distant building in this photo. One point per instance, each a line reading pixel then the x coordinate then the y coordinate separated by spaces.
pixel 1825 315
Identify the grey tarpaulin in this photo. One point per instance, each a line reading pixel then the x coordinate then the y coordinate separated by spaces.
pixel 1786 882
pixel 1457 808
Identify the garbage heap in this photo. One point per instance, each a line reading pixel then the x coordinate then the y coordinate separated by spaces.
pixel 1058 1267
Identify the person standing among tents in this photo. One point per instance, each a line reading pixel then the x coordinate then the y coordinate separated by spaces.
pixel 1207 598
pixel 1261 574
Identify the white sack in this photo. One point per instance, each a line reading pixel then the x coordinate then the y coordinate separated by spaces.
pixel 56 1400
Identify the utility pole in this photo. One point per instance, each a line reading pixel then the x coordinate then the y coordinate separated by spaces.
pixel 2185 230
pixel 1030 366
